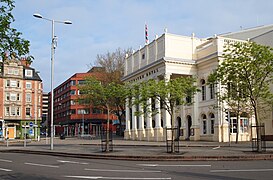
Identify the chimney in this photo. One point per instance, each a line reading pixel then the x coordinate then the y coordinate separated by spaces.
pixel 24 62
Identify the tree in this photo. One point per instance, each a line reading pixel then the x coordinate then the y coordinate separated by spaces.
pixel 11 42
pixel 106 95
pixel 233 95
pixel 170 93
pixel 249 67
pixel 114 64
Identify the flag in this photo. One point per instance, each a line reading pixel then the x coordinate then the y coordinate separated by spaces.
pixel 146 34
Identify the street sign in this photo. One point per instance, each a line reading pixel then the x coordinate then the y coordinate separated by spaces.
pixel 30 131
pixel 31 124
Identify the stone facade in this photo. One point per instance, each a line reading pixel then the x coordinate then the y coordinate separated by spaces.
pixel 170 56
pixel 20 93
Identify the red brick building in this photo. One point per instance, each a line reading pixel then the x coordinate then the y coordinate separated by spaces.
pixel 69 116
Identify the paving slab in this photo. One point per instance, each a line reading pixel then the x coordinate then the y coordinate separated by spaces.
pixel 140 150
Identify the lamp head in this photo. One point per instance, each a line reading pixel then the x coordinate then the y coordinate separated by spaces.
pixel 67 22
pixel 37 15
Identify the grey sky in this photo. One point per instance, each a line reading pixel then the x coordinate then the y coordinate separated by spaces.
pixel 105 25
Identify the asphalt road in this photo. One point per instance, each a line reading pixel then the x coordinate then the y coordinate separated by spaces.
pixel 42 167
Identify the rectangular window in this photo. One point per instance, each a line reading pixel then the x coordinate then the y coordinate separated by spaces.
pixel 233 125
pixel 10 71
pixel 243 125
pixel 72 111
pixel 18 97
pixel 143 56
pixel 81 111
pixel 72 102
pixel 7 111
pixel 73 83
pixel 28 97
pixel 7 96
pixel 8 83
pixel 96 111
pixel 18 111
pixel 18 84
pixel 13 97
pixel 27 111
pixel 72 92
pixel 16 72
pixel 13 83
pixel 28 73
pixel 28 85
pixel 12 111
pixel 80 82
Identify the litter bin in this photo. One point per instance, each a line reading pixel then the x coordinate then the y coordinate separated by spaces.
pixel 62 136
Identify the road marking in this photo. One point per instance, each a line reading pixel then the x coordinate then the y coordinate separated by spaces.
pixel 240 170
pixel 4 160
pixel 8 170
pixel 43 165
pixel 216 147
pixel 72 162
pixel 175 165
pixel 121 170
pixel 103 177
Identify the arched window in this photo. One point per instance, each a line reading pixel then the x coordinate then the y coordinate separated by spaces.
pixel 204 120
pixel 203 89
pixel 212 123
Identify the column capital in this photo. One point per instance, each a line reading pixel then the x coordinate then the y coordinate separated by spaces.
pixel 167 76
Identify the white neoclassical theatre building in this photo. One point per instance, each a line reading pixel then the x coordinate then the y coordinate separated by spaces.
pixel 169 56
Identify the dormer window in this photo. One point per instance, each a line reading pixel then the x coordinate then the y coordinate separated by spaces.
pixel 28 73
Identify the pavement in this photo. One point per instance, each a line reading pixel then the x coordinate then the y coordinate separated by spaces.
pixel 139 150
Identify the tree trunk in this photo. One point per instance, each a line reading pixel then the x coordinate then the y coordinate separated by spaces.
pixel 259 148
pixel 107 149
pixel 237 133
pixel 172 125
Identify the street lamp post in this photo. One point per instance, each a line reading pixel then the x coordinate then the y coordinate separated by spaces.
pixel 53 47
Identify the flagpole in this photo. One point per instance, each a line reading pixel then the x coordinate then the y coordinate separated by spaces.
pixel 146 34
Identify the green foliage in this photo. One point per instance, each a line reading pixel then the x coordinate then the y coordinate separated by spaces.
pixel 246 74
pixel 10 40
pixel 107 95
pixel 170 93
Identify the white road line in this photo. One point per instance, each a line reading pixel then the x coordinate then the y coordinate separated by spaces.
pixel 175 165
pixel 7 170
pixel 216 147
pixel 72 162
pixel 121 170
pixel 4 160
pixel 43 165
pixel 120 178
pixel 239 170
